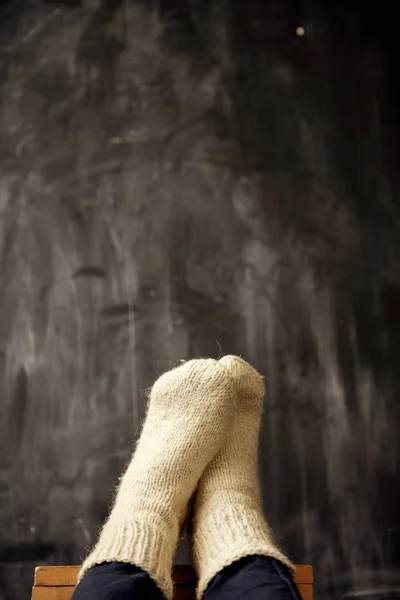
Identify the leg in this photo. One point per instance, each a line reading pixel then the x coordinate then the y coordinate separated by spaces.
pixel 190 411
pixel 255 578
pixel 116 581
pixel 228 523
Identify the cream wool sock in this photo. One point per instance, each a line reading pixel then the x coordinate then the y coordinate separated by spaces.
pixel 228 521
pixel 190 411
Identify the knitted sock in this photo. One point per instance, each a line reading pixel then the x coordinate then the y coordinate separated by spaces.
pixel 189 413
pixel 228 521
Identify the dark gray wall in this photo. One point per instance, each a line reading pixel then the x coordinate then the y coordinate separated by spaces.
pixel 189 178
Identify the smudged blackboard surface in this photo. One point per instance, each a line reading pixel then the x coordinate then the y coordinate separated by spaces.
pixel 189 178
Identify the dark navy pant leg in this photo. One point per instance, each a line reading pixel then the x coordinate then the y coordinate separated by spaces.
pixel 253 578
pixel 116 581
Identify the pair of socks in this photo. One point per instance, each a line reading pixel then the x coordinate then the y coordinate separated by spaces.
pixel 200 437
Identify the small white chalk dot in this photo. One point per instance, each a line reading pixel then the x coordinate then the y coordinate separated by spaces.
pixel 300 31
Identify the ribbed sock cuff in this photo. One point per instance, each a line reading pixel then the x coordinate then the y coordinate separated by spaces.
pixel 221 539
pixel 140 543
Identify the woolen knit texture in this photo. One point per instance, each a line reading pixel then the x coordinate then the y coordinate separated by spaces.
pixel 228 521
pixel 189 413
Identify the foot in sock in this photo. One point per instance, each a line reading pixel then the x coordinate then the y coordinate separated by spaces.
pixel 190 411
pixel 228 521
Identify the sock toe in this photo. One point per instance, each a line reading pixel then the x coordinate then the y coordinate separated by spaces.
pixel 247 381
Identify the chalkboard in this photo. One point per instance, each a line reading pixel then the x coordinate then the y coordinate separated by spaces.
pixel 183 179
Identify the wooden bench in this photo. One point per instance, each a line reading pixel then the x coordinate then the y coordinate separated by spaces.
pixel 57 583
